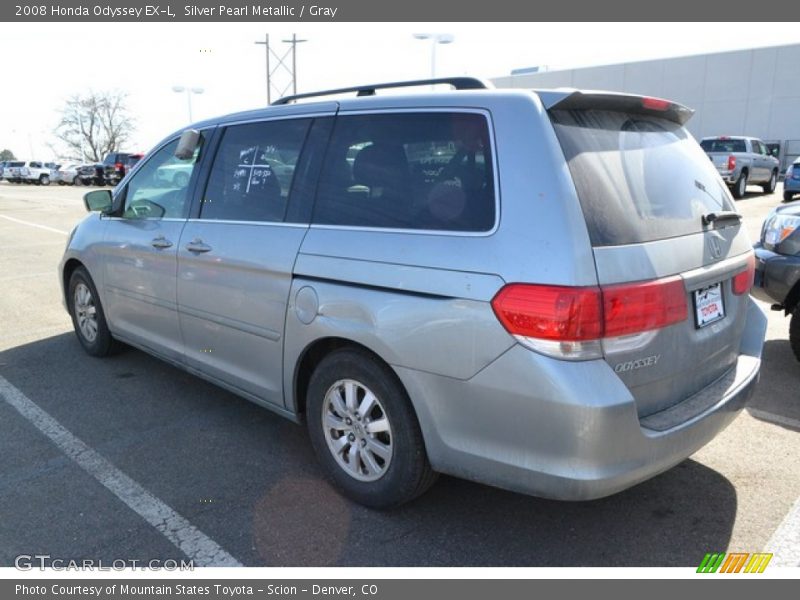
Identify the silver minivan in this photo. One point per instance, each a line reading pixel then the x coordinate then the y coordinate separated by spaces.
pixel 542 291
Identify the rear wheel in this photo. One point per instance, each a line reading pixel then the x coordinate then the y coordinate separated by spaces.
pixel 364 431
pixel 770 186
pixel 787 196
pixel 740 187
pixel 87 315
pixel 794 332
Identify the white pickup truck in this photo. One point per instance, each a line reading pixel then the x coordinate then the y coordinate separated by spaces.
pixel 742 161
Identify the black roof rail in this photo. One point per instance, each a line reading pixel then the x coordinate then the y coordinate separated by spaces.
pixel 459 83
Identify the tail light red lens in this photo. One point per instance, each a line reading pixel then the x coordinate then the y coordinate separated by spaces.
pixel 550 312
pixel 731 163
pixel 560 313
pixel 118 166
pixel 633 308
pixel 744 280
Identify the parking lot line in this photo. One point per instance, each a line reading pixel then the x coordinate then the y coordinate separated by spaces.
pixel 201 549
pixel 29 224
pixel 785 541
pixel 773 418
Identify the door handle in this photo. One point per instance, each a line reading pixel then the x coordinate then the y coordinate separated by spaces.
pixel 197 245
pixel 161 242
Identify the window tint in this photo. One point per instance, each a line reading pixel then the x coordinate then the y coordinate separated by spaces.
pixel 638 178
pixel 408 171
pixel 723 145
pixel 160 189
pixel 253 171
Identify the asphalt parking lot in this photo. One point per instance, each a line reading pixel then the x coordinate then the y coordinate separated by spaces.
pixel 247 479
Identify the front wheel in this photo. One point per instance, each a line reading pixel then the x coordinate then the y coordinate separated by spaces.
pixel 87 314
pixel 770 186
pixel 794 332
pixel 787 196
pixel 44 180
pixel 740 187
pixel 364 431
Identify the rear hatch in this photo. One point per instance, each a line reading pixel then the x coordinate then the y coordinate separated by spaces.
pixel 13 169
pixel 672 258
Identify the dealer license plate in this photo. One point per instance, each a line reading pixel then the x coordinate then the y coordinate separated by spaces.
pixel 708 305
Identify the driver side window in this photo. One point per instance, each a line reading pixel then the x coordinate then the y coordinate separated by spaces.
pixel 160 188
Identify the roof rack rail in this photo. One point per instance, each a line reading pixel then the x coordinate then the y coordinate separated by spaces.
pixel 459 83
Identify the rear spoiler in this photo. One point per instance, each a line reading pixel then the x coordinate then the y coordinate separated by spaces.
pixel 571 99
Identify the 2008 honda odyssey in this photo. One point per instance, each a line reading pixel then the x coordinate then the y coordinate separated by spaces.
pixel 542 291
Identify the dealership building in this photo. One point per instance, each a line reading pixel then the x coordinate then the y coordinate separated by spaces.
pixel 745 92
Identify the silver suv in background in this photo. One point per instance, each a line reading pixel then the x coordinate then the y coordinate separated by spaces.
pixel 742 161
pixel 542 291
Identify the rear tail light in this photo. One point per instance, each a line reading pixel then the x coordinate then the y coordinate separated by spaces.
pixel 571 322
pixel 789 172
pixel 118 166
pixel 731 163
pixel 550 312
pixel 744 280
pixel 634 308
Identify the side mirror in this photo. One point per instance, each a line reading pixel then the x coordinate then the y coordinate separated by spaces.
pixel 187 144
pixel 98 201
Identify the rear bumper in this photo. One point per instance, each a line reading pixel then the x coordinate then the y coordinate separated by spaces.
pixel 776 275
pixel 791 185
pixel 567 430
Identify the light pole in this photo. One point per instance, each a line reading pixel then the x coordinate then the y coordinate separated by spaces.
pixel 435 38
pixel 179 89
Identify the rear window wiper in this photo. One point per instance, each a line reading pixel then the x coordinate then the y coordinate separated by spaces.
pixel 723 215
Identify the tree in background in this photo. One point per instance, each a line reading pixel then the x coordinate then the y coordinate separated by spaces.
pixel 94 124
pixel 7 154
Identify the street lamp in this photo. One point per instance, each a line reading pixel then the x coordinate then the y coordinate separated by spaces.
pixel 179 89
pixel 435 38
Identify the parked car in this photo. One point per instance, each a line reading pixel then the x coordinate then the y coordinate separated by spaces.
pixel 777 279
pixel 12 171
pixel 742 161
pixel 66 174
pixel 791 181
pixel 38 172
pixel 91 174
pixel 581 332
pixel 117 164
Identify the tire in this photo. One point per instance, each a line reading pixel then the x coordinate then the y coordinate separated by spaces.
pixel 87 314
pixel 787 196
pixel 44 180
pixel 740 187
pixel 394 468
pixel 770 186
pixel 794 332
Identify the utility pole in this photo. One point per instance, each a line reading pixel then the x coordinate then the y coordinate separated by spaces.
pixel 265 43
pixel 282 66
pixel 294 41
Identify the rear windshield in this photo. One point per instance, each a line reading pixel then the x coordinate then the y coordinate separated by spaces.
pixel 639 178
pixel 722 145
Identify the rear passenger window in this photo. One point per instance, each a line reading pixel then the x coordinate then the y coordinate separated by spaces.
pixel 253 170
pixel 408 171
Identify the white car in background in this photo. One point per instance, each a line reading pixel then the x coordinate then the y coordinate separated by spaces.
pixel 66 174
